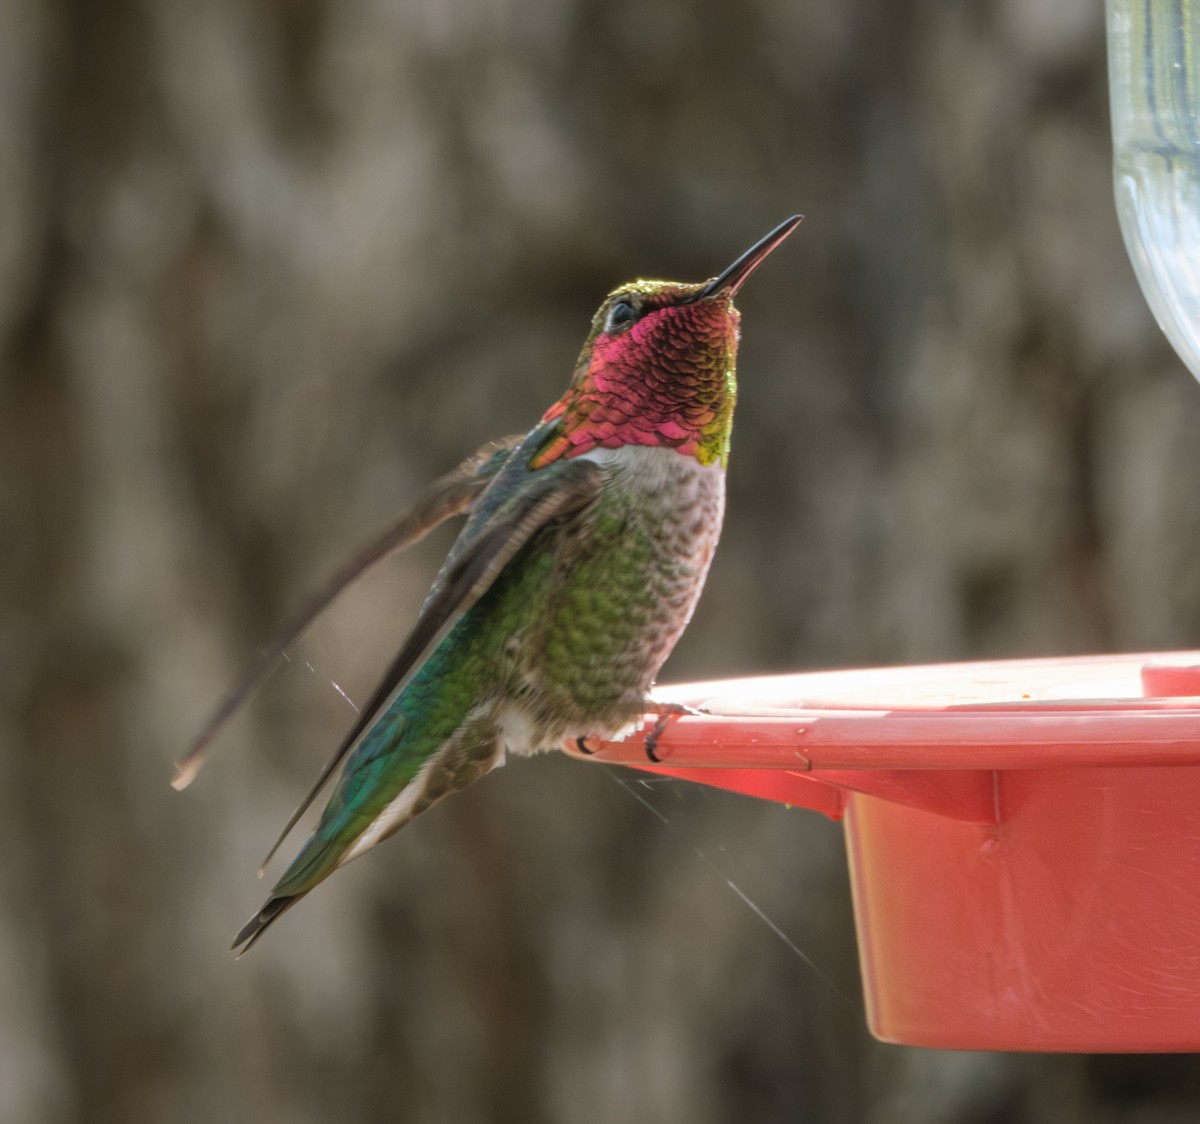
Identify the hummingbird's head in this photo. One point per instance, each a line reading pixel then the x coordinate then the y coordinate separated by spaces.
pixel 657 367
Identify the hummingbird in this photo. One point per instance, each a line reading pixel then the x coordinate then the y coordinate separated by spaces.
pixel 586 545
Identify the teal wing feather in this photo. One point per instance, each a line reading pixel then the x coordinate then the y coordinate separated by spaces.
pixel 450 495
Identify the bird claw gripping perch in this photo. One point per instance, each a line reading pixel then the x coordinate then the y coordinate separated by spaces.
pixel 589 744
pixel 665 712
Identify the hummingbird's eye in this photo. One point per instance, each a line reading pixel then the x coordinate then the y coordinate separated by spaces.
pixel 621 315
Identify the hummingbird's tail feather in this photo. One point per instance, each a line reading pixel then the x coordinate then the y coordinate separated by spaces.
pixel 257 925
pixel 366 808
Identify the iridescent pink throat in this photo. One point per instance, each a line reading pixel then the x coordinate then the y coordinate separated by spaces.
pixel 668 381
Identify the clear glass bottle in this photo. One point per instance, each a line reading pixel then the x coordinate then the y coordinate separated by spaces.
pixel 1154 88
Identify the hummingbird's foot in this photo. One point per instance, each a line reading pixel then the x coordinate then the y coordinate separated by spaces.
pixel 665 712
pixel 587 744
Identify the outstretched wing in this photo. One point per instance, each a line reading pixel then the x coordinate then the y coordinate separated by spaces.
pixel 452 494
pixel 515 506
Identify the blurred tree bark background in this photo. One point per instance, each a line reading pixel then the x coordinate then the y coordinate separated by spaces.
pixel 268 267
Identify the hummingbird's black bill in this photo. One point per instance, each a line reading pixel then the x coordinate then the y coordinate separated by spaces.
pixel 732 278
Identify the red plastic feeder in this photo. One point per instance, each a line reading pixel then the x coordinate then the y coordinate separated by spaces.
pixel 1023 836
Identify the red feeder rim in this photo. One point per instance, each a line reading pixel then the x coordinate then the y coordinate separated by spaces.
pixel 1016 830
